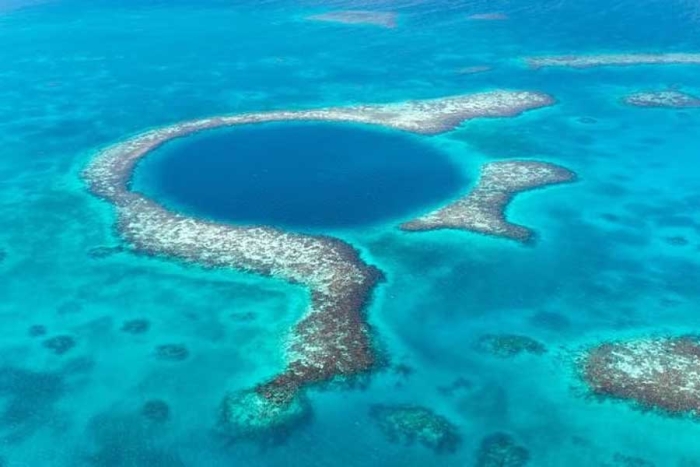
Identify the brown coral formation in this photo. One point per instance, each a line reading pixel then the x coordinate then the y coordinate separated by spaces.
pixel 670 99
pixel 383 19
pixel 332 339
pixel 483 209
pixel 658 373
pixel 589 61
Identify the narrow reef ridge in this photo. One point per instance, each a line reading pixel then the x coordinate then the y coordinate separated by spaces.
pixel 332 339
pixel 483 209
pixel 655 373
pixel 385 19
pixel 589 61
pixel 670 99
pixel 495 16
pixel 409 424
pixel 473 70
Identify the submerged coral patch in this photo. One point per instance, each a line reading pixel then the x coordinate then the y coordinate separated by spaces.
pixel 156 411
pixel 172 352
pixel 136 326
pixel 252 414
pixel 483 209
pixel 37 330
pixel 510 345
pixel 408 424
pixel 622 460
pixel 332 339
pixel 59 344
pixel 100 252
pixel 676 240
pixel 657 373
pixel 501 450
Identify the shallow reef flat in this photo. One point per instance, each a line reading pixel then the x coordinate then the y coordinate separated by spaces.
pixel 250 414
pixel 332 339
pixel 590 61
pixel 656 373
pixel 670 99
pixel 483 209
pixel 384 19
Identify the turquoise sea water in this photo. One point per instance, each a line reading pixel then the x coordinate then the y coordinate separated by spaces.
pixel 76 76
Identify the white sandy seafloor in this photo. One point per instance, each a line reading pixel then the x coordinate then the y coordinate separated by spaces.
pixel 78 77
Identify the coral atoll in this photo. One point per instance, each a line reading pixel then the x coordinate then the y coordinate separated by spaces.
pixel 589 61
pixel 657 373
pixel 672 99
pixel 483 209
pixel 409 424
pixel 510 345
pixel 501 450
pixel 384 19
pixel 332 338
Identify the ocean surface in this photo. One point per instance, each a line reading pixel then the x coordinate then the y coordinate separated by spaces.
pixel 616 256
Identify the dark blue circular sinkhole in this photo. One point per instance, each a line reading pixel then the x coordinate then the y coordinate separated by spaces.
pixel 299 175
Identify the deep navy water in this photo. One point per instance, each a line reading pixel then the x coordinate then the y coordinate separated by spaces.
pixel 616 256
pixel 300 176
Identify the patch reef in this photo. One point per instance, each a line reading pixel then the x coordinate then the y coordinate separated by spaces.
pixel 658 373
